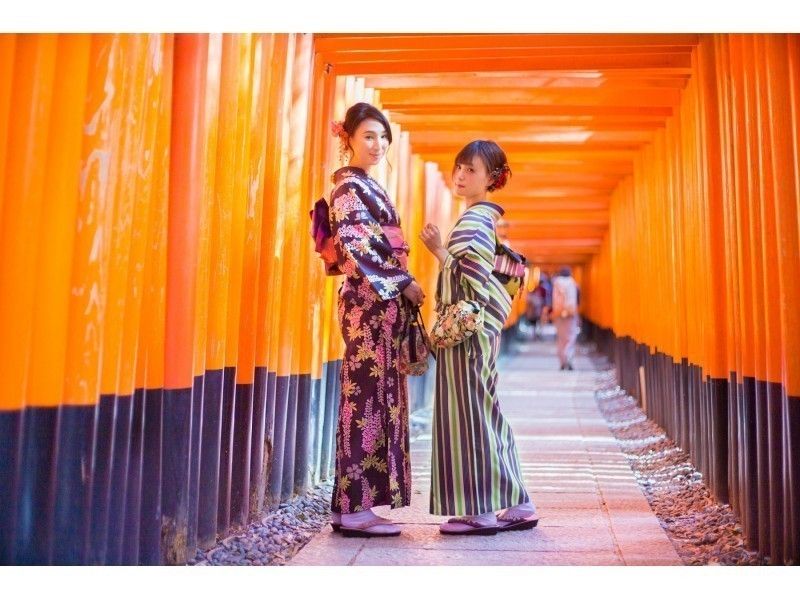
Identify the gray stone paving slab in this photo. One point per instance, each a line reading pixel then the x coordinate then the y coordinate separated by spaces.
pixel 545 539
pixel 419 556
pixel 575 518
pixel 329 548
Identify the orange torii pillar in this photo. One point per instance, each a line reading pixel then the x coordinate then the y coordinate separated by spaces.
pixel 188 100
pixel 25 457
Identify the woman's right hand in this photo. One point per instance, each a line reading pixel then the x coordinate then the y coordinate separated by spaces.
pixel 414 293
pixel 432 238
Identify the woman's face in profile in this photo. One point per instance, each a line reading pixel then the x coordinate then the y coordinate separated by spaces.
pixel 471 179
pixel 369 142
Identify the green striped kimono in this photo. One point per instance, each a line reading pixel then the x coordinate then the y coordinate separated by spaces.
pixel 475 467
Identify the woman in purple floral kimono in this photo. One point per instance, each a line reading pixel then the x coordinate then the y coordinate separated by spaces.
pixel 372 444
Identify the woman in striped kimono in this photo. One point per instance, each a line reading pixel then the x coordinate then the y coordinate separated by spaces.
pixel 475 466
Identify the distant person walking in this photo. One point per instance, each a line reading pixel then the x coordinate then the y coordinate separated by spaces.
pixel 536 303
pixel 565 316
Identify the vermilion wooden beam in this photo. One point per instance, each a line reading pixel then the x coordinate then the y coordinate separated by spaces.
pixel 643 53
pixel 514 110
pixel 519 191
pixel 589 74
pixel 442 142
pixel 551 247
pixel 578 243
pixel 605 168
pixel 432 124
pixel 334 42
pixel 546 233
pixel 544 248
pixel 555 179
pixel 641 96
pixel 536 215
pixel 543 153
pixel 514 203
pixel 529 79
pixel 674 63
pixel 540 221
pixel 529 183
pixel 553 261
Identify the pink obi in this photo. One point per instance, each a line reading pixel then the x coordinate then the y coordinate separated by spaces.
pixel 398 243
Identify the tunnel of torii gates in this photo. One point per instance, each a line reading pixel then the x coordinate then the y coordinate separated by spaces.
pixel 169 345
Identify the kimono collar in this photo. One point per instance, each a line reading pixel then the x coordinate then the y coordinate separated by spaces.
pixel 496 210
pixel 348 171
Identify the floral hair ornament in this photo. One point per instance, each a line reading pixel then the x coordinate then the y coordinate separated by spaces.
pixel 337 130
pixel 500 177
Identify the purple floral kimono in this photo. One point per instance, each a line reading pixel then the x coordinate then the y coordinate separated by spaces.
pixel 372 445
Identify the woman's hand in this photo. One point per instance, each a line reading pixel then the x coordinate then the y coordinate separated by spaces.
pixel 432 238
pixel 414 293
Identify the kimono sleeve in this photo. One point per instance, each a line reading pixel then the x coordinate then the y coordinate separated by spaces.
pixel 471 256
pixel 363 248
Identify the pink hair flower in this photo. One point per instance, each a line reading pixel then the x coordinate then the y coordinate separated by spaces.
pixel 337 128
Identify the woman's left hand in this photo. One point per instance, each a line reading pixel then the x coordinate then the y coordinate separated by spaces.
pixel 432 238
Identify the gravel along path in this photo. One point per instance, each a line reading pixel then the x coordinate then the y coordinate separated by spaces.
pixel 703 531
pixel 277 537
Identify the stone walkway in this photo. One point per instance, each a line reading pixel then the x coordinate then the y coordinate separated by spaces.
pixel 592 510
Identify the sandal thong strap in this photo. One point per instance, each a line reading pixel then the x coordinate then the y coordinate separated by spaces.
pixel 468 521
pixel 517 518
pixel 370 523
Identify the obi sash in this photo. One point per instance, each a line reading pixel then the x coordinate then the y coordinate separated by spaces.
pixel 508 262
pixel 323 241
pixel 395 236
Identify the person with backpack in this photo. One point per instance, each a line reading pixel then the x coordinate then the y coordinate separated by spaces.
pixel 565 316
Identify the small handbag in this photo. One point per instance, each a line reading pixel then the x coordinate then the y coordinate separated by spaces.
pixel 455 323
pixel 457 316
pixel 414 347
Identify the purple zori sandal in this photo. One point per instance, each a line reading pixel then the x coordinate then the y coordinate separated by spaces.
pixel 337 526
pixel 367 529
pixel 455 527
pixel 509 523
